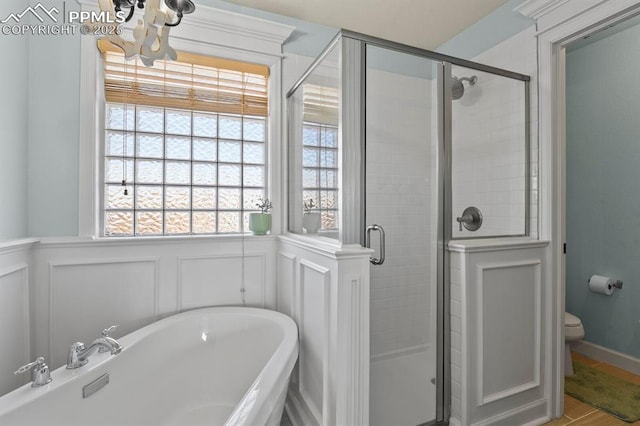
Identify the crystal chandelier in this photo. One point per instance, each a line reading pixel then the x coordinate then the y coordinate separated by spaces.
pixel 151 34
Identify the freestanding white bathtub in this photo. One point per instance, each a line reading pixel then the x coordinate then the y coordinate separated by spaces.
pixel 215 366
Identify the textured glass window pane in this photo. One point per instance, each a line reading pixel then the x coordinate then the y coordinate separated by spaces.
pixel 204 174
pixel 254 129
pixel 204 222
pixel 253 153
pixel 177 197
pixel 328 158
pixel 328 199
pixel 116 118
pixel 148 197
pixel 228 198
pixel 150 120
pixel 229 222
pixel 177 222
pixel 311 195
pixel 329 220
pixel 229 152
pixel 149 223
pixel 118 223
pixel 204 198
pixel 229 175
pixel 178 122
pixel 204 150
pixel 328 179
pixel 310 157
pixel 115 144
pixel 205 125
pixel 116 198
pixel 310 178
pixel 310 136
pixel 178 148
pixel 251 198
pixel 329 138
pixel 148 171
pixel 253 176
pixel 149 146
pixel 230 127
pixel 115 173
pixel 178 172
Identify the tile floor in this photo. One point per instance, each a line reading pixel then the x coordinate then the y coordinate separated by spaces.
pixel 578 413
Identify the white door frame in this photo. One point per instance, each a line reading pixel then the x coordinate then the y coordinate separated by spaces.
pixel 559 22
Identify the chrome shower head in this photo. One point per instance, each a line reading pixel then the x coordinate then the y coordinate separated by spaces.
pixel 457 88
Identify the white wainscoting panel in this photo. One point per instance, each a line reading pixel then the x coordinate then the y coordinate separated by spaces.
pixel 326 287
pixel 218 280
pixel 286 283
pixel 497 333
pixel 14 324
pixel 508 308
pixel 313 322
pixel 84 293
pixel 81 286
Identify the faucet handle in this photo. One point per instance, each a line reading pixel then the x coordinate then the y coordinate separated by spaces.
pixel 106 331
pixel 28 367
pixel 40 374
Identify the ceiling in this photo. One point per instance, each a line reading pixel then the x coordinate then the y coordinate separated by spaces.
pixel 421 23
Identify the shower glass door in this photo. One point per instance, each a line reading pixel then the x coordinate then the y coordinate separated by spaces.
pixel 403 196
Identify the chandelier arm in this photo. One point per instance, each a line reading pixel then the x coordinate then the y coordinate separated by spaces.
pixel 174 24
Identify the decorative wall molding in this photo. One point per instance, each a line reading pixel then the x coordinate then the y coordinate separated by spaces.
pixel 286 277
pixel 53 345
pixel 537 8
pixel 22 269
pixel 330 298
pixel 481 350
pixel 237 257
pixel 319 409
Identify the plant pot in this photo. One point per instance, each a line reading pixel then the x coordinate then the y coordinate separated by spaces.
pixel 259 223
pixel 311 222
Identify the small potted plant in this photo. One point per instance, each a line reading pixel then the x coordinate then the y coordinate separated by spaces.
pixel 260 223
pixel 310 219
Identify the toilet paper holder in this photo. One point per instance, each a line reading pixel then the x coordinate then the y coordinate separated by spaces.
pixel 617 284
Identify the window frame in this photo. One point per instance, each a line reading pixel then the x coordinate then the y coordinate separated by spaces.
pixel 251 40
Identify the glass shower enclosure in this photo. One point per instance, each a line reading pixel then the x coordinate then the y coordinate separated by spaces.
pixel 369 163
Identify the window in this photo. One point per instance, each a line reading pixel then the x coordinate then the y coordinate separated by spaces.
pixel 185 145
pixel 320 171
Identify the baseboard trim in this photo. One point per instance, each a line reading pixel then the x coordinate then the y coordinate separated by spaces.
pixel 534 413
pixel 602 354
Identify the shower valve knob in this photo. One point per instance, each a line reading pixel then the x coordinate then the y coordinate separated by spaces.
pixel 471 219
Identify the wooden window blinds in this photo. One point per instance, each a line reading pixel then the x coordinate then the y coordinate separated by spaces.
pixel 193 82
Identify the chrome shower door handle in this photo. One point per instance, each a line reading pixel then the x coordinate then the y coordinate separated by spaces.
pixel 367 243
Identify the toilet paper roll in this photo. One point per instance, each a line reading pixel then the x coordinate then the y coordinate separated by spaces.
pixel 602 285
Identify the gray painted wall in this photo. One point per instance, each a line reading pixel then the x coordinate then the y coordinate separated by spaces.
pixel 603 187
pixel 14 51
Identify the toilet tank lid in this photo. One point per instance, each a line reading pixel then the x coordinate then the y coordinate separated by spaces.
pixel 571 320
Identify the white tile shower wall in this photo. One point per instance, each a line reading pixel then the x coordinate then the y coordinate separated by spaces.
pixel 458 320
pixel 488 154
pixel 400 166
pixel 81 287
pixel 15 268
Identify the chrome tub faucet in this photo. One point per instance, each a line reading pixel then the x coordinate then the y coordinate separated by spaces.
pixel 40 374
pixel 79 354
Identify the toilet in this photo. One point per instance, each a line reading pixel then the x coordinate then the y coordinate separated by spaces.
pixel 573 332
